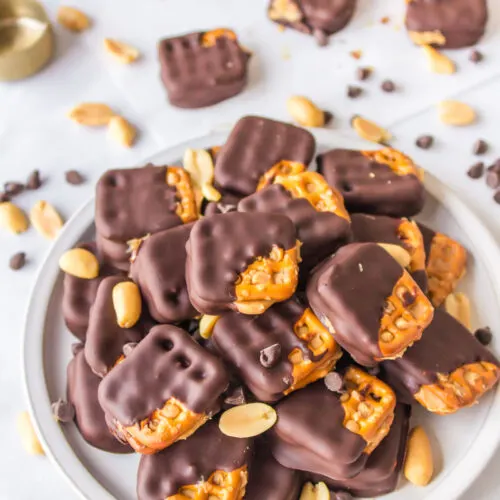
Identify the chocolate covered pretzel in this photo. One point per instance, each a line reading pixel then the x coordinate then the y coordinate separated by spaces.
pixel 451 24
pixel 371 305
pixel 278 352
pixel 445 264
pixel 394 231
pixel 203 68
pixel 241 261
pixel 332 434
pixel 318 212
pixel 166 389
pixel 209 465
pixel 447 369
pixel 254 148
pixel 158 267
pixel 89 417
pixel 384 182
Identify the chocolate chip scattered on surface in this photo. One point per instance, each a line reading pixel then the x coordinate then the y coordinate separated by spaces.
pixel 74 177
pixel 17 261
pixel 425 141
pixel 476 171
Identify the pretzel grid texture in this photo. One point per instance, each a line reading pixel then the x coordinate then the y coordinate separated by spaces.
pixel 280 170
pixel 412 239
pixel 398 162
pixel 209 38
pixel 186 207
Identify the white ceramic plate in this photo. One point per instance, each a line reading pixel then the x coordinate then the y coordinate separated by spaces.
pixel 463 443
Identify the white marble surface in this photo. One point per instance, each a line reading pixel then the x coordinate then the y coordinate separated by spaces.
pixel 35 133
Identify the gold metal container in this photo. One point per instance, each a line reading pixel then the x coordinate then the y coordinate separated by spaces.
pixel 26 39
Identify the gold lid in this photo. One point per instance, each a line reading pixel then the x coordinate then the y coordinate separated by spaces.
pixel 26 39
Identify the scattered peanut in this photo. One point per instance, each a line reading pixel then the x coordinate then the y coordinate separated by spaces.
pixel 369 130
pixel 458 306
pixel 13 218
pixel 247 420
pixel 398 253
pixel 73 19
pixel 29 438
pixel 200 166
pixel 456 113
pixel 91 114
pixel 305 112
pixel 46 220
pixel 438 63
pixel 80 263
pixel 123 52
pixel 127 303
pixel 207 323
pixel 122 131
pixel 315 492
pixel 419 465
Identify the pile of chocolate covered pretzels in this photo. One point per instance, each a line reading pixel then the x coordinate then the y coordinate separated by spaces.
pixel 311 292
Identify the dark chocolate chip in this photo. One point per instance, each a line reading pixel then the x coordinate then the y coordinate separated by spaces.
pixel 475 56
pixel 328 117
pixel 484 335
pixel 321 37
pixel 63 411
pixel 74 177
pixel 480 147
pixel 76 347
pixel 495 167
pixel 236 398
pixel 353 91
pixel 388 86
pixel 34 181
pixel 363 73
pixel 270 356
pixel 496 197
pixel 334 382
pixel 341 495
pixel 13 188
pixel 17 261
pixel 4 197
pixel 476 171
pixel 128 348
pixel 425 141
pixel 493 179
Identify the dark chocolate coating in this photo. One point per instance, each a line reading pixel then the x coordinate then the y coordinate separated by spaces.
pixel 168 363
pixel 428 235
pixel 321 233
pixel 432 354
pixel 462 22
pixel 82 394
pixel 197 76
pixel 381 473
pixel 310 436
pixel 371 187
pixel 114 254
pixel 268 479
pixel 382 229
pixel 190 462
pixel 239 338
pixel 105 338
pixel 228 203
pixel 254 146
pixel 131 203
pixel 350 290
pixel 221 247
pixel 159 270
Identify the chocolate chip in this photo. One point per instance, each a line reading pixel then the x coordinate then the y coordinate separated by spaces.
pixel 425 141
pixel 475 56
pixel 13 188
pixel 484 335
pixel 388 86
pixel 476 171
pixel 34 181
pixel 353 91
pixel 76 347
pixel 74 177
pixel 480 147
pixel 17 261
pixel 363 73
pixel 328 117
pixel 128 348
pixel 63 411
pixel 334 382
pixel 4 197
pixel 341 495
pixel 493 179
pixel 495 167
pixel 321 37
pixel 496 197
pixel 236 397
pixel 270 356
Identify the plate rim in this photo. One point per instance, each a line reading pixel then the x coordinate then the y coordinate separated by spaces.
pixel 465 471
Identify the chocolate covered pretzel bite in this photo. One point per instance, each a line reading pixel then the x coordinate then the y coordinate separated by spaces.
pixel 207 466
pixel 254 153
pixel 446 261
pixel 446 370
pixel 371 305
pixel 278 352
pixel 333 434
pixel 204 68
pixel 241 261
pixel 384 181
pixel 166 389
